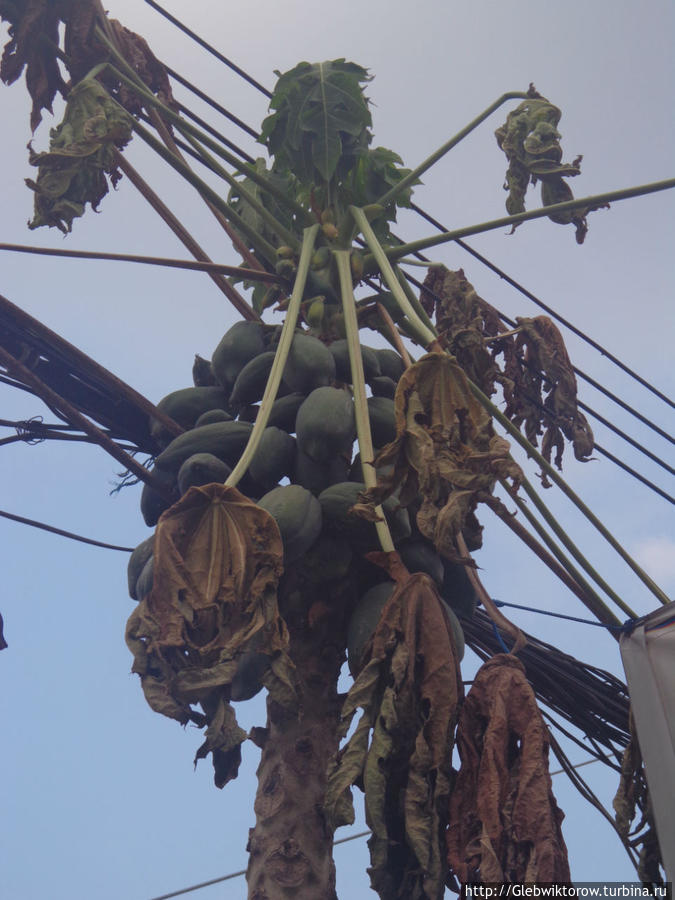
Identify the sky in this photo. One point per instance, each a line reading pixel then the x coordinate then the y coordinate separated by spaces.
pixel 99 796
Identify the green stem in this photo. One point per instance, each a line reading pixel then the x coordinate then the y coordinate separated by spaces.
pixel 277 370
pixel 395 253
pixel 533 453
pixel 287 236
pixel 588 596
pixel 414 300
pixel 359 385
pixel 263 247
pixel 136 84
pixel 424 334
pixel 410 179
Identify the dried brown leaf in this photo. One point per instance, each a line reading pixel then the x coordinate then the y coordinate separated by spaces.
pixel 445 452
pixel 409 691
pixel 218 558
pixel 504 821
pixel 543 391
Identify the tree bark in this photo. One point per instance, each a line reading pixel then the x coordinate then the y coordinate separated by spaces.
pixel 291 846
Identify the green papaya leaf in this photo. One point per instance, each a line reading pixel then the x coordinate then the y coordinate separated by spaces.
pixel 320 124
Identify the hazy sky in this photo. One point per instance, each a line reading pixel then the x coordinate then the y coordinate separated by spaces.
pixel 99 796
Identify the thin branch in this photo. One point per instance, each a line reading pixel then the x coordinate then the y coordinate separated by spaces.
pixel 395 336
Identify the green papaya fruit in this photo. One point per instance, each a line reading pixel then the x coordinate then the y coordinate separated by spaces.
pixel 325 424
pixel 310 364
pixel 457 590
pixel 144 581
pixel 285 410
pixel 364 621
pixel 199 469
pixel 239 345
pixel 137 560
pixel 383 386
pixel 336 502
pixel 391 363
pixel 252 380
pixel 343 372
pixel 249 413
pixel 328 559
pixel 213 415
pixel 226 440
pixel 419 556
pixel 317 476
pixel 382 416
pixel 298 515
pixel 274 458
pixel 153 504
pixel 185 406
pixel 202 373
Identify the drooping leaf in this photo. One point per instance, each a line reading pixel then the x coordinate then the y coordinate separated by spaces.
pixel 634 815
pixel 463 321
pixel 31 24
pixel 148 68
pixel 531 142
pixel 445 452
pixel 73 171
pixel 320 123
pixel 504 821
pixel 217 562
pixel 531 366
pixel 400 752
pixel 540 389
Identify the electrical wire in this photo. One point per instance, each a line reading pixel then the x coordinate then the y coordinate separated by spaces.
pixel 212 50
pixel 540 303
pixel 195 887
pixel 60 531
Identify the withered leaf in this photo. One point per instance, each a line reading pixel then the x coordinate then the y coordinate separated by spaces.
pixel 542 391
pixel 531 142
pixel 136 51
pixel 504 821
pixel 445 452
pixel 32 23
pixel 633 813
pixel 73 171
pixel 218 559
pixel 408 691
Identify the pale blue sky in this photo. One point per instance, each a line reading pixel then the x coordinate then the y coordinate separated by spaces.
pixel 99 797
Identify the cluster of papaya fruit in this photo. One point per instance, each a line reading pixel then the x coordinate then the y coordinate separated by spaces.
pixel 303 471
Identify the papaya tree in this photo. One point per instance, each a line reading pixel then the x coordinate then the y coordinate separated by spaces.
pixel 317 499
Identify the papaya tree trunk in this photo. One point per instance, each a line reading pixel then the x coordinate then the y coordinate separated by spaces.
pixel 291 845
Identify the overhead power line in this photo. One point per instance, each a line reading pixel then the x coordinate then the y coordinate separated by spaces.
pixel 68 534
pixel 540 303
pixel 208 47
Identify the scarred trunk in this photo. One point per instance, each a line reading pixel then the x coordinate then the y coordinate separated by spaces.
pixel 291 846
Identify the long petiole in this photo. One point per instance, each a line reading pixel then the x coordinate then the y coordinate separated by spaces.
pixel 413 176
pixel 359 385
pixel 274 380
pixel 134 82
pixel 395 253
pixel 421 331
